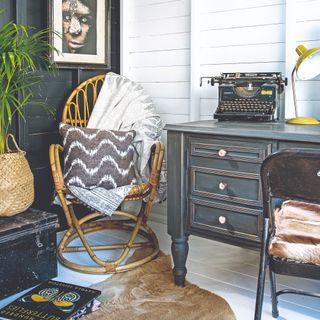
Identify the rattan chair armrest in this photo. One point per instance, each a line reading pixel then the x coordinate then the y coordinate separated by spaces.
pixel 56 169
pixel 157 154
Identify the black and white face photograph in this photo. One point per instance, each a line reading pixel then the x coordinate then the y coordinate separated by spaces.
pixel 77 24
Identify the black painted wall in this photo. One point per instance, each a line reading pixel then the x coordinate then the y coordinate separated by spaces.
pixel 40 130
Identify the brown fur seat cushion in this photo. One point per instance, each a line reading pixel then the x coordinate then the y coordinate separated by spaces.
pixel 297 232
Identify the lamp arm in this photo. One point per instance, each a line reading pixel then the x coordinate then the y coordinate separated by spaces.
pixel 294 91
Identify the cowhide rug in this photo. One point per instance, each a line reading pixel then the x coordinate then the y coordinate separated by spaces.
pixel 148 292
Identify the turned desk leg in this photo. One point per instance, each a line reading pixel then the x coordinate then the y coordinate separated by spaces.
pixel 179 249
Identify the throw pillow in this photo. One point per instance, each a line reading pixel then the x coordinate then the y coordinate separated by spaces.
pixel 97 158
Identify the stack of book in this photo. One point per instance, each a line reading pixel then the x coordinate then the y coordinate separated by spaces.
pixel 52 300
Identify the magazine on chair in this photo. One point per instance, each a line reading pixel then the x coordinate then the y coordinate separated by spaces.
pixel 51 300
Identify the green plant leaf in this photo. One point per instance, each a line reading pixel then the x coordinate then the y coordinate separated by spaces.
pixel 23 53
pixel 9 115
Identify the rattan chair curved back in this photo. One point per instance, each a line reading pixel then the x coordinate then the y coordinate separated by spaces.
pixel 78 107
pixel 77 112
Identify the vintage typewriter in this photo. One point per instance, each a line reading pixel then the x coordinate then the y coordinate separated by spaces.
pixel 248 96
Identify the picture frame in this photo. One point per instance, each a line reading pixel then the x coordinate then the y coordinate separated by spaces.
pixel 81 33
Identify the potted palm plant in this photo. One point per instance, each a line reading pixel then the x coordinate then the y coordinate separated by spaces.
pixel 24 53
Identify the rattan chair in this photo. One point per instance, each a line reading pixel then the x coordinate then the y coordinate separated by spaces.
pixel 288 233
pixel 77 112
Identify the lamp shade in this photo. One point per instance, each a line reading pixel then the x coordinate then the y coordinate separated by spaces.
pixel 308 63
pixel 307 67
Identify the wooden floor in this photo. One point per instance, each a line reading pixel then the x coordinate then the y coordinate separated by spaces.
pixel 228 271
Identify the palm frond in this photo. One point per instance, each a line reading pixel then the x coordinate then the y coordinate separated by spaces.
pixel 24 51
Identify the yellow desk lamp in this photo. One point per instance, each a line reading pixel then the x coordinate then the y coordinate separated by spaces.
pixel 307 67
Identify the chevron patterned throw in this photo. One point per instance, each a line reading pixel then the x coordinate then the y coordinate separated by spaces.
pixel 97 158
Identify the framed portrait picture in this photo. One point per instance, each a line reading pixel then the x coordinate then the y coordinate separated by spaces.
pixel 82 33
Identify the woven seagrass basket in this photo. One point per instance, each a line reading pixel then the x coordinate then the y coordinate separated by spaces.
pixel 16 181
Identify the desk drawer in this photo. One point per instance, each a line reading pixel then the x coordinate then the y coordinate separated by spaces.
pixel 232 154
pixel 240 187
pixel 297 145
pixel 226 219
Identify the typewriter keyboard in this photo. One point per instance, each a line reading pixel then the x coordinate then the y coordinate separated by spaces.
pixel 246 106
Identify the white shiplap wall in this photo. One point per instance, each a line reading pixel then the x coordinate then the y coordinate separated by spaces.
pixel 234 36
pixel 159 53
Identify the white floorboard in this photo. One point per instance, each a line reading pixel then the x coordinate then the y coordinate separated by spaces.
pixel 228 271
pixel 231 272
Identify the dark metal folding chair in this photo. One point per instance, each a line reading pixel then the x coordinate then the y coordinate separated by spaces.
pixel 293 175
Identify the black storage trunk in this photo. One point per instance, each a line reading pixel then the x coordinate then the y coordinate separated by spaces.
pixel 27 250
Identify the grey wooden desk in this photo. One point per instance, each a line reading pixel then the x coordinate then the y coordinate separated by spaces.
pixel 214 180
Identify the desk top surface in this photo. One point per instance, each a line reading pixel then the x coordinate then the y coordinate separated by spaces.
pixel 268 130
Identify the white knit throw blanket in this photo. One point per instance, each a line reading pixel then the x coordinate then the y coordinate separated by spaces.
pixel 123 105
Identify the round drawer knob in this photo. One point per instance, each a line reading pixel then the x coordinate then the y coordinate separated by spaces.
pixel 222 185
pixel 318 173
pixel 222 219
pixel 222 153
